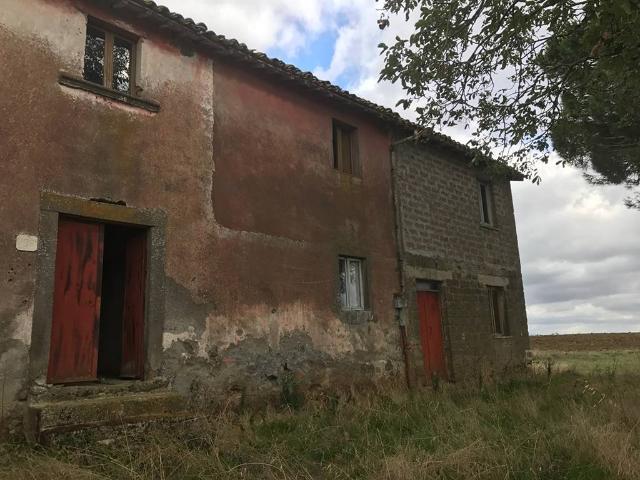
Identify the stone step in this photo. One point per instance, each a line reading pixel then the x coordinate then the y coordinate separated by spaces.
pixel 42 393
pixel 44 419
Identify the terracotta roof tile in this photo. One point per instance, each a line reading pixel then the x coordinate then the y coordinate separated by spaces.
pixel 199 34
pixel 239 51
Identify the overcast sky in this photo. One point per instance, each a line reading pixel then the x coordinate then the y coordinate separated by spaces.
pixel 579 245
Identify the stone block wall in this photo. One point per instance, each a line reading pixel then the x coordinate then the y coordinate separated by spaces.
pixel 443 240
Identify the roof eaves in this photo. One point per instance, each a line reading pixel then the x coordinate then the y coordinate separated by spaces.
pixel 187 29
pixel 198 33
pixel 475 158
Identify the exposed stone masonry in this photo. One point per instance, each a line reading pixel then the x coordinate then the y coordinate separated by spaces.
pixel 443 240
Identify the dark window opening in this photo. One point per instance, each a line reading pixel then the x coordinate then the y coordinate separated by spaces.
pixel 345 148
pixel 122 54
pixel 498 311
pixel 99 302
pixel 486 204
pixel 428 285
pixel 94 56
pixel 109 59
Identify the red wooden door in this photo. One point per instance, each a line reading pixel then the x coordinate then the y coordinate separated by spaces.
pixel 73 353
pixel 431 334
pixel 133 313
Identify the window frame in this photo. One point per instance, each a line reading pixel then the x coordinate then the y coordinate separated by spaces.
pixel 362 272
pixel 487 217
pixel 500 322
pixel 341 130
pixel 111 33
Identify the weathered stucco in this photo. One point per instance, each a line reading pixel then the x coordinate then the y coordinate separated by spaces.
pixel 282 216
pixel 75 143
pixel 256 216
pixel 234 178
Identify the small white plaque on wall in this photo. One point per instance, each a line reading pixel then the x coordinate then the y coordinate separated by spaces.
pixel 26 243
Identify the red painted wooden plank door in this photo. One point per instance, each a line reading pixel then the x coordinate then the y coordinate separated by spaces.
pixel 134 299
pixel 431 334
pixel 73 353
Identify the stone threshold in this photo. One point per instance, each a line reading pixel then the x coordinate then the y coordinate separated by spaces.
pixel 46 418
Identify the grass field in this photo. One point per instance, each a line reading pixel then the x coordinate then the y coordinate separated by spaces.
pixel 569 426
pixel 595 353
pixel 587 342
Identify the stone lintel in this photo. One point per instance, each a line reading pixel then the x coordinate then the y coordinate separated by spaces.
pixel 493 281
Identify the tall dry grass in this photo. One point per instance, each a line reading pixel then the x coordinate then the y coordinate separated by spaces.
pixel 565 427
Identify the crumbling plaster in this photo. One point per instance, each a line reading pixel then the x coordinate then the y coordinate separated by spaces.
pixel 89 147
pixel 261 321
pixel 256 289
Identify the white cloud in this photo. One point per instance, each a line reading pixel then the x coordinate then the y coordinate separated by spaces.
pixel 259 24
pixel 580 254
pixel 579 245
pixel 291 26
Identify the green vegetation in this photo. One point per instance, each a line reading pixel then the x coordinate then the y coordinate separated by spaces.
pixel 565 426
pixel 526 78
pixel 605 362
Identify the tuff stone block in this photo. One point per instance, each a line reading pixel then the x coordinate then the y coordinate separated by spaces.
pixel 438 197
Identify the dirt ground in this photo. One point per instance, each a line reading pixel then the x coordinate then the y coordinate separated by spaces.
pixel 586 342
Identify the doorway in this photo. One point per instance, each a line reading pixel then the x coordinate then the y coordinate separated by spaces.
pixel 430 318
pixel 98 321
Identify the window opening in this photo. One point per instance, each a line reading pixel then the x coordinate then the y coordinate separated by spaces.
pixel 122 55
pixel 498 311
pixel 486 204
pixel 109 59
pixel 94 56
pixel 351 288
pixel 345 148
pixel 427 285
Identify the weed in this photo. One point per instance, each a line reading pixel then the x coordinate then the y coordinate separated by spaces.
pixel 291 394
pixel 530 428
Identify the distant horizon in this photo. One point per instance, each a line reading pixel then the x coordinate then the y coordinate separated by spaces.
pixel 583 333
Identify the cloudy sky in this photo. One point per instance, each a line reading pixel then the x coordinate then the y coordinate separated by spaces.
pixel 580 247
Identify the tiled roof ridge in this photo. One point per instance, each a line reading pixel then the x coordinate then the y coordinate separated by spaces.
pixel 308 79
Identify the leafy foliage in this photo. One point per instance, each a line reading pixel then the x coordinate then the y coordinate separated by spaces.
pixel 527 77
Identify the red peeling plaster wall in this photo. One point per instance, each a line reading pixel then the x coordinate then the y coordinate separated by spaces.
pixel 275 177
pixel 256 215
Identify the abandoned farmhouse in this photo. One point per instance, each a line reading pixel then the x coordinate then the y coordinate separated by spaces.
pixel 186 218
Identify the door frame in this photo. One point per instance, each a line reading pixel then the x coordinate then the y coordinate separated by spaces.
pixel 436 286
pixel 52 205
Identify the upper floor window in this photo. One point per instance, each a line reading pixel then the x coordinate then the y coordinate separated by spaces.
pixel 486 204
pixel 345 148
pixel 498 311
pixel 109 58
pixel 351 283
